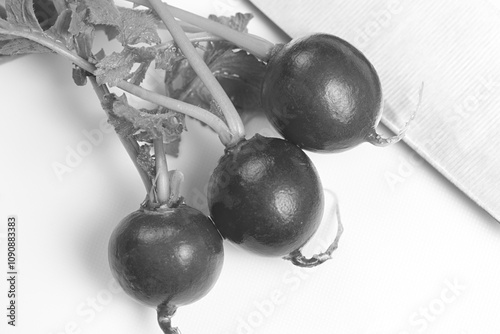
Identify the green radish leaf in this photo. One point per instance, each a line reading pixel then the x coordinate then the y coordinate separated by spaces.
pixel 78 18
pixel 167 59
pixel 122 125
pixel 144 56
pixel 238 22
pixel 140 73
pixel 87 14
pixel 102 12
pixel 137 26
pixel 21 16
pixel 21 13
pixel 83 43
pixel 115 67
pixel 146 161
pixel 144 125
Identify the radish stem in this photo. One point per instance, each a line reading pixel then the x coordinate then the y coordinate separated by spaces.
pixel 175 178
pixel 165 313
pixel 162 182
pixel 185 108
pixel 193 38
pixel 298 259
pixel 129 144
pixel 204 73
pixel 257 46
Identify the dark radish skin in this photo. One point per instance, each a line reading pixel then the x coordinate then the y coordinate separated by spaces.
pixel 323 94
pixel 265 195
pixel 166 258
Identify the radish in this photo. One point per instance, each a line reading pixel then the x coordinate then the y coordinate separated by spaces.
pixel 323 94
pixel 166 258
pixel 266 196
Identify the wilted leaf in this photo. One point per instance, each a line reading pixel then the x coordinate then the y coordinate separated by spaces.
pixel 140 73
pixel 146 161
pixel 144 125
pixel 166 59
pixel 103 12
pixel 117 66
pixel 114 67
pixel 137 26
pixel 78 16
pixel 237 22
pixel 21 13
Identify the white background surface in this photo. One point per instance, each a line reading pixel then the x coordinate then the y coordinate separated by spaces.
pixel 417 256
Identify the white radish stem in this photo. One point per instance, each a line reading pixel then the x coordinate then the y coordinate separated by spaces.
pixel 176 178
pixel 377 140
pixel 298 259
pixel 204 73
pixel 255 45
pixel 162 181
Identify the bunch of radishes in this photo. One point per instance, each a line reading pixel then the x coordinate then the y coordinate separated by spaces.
pixel 265 195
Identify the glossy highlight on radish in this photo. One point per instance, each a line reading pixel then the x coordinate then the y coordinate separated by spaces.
pixel 166 258
pixel 323 94
pixel 266 196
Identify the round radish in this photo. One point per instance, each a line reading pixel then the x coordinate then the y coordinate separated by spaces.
pixel 322 94
pixel 266 196
pixel 166 258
